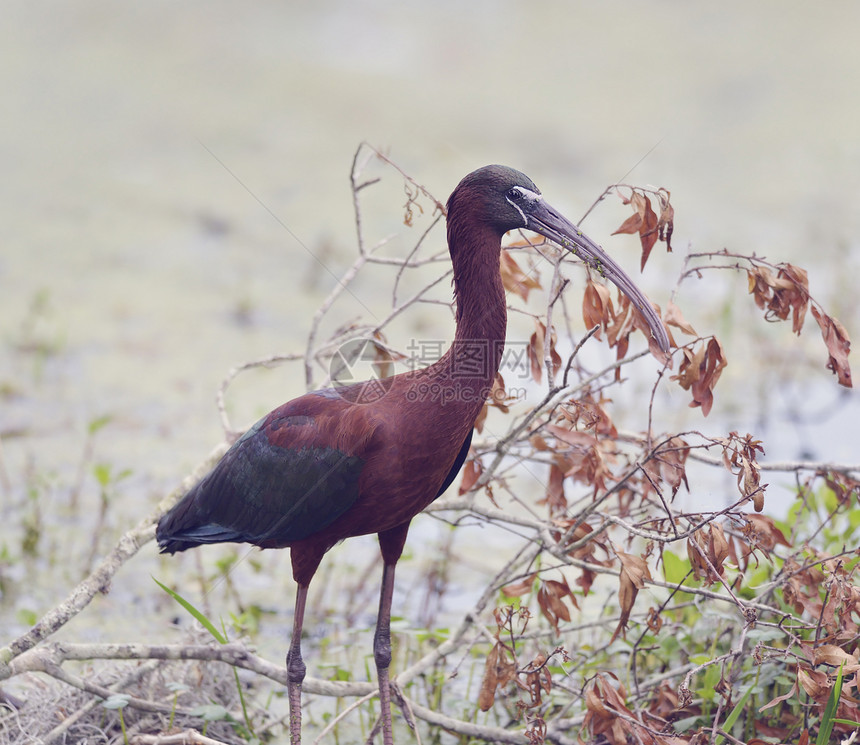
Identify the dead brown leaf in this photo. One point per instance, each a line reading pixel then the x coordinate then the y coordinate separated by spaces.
pixel 830 654
pixel 643 221
pixel 518 589
pixel 498 672
pixel 634 572
pixel 762 533
pixel 514 279
pixel 631 224
pixel 779 699
pixel 699 371
pixel 597 309
pixel 740 453
pixel 670 464
pixel 551 596
pixel 538 680
pixel 647 232
pixel 471 473
pixel 814 682
pixel 487 696
pixel 674 317
pixel 608 719
pixel 838 346
pixel 581 456
pixel 537 351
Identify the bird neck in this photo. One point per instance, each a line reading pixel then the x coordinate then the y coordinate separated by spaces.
pixel 479 340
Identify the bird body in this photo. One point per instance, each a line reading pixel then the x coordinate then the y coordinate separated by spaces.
pixel 323 468
pixel 334 464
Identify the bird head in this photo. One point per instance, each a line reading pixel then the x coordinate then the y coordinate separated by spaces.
pixel 505 199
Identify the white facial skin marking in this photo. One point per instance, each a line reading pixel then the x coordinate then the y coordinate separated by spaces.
pixel 528 196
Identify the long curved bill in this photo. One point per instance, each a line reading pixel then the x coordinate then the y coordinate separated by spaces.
pixel 548 222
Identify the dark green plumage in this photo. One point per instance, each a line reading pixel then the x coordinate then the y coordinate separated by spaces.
pixel 265 493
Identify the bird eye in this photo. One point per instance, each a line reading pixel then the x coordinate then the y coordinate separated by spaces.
pixel 516 193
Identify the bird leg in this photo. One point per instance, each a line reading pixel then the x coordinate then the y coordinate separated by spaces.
pixel 296 668
pixel 382 651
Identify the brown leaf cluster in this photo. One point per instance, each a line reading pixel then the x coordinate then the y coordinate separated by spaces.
pixel 582 456
pixel 551 595
pixel 589 413
pixel 844 488
pixel 739 456
pixel 668 465
pixel 645 221
pixel 537 352
pixel 825 591
pixel 609 720
pixel 700 370
pixel 584 552
pixel 604 700
pixel 501 670
pixel 584 447
pixel 815 676
pixel 599 310
pixel 537 680
pixel 711 548
pixel 780 294
pixel 762 534
pixel 708 550
pixel 787 292
pixel 501 667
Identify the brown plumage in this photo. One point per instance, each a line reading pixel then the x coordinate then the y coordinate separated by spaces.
pixel 326 466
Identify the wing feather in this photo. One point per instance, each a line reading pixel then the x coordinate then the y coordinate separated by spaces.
pixel 277 484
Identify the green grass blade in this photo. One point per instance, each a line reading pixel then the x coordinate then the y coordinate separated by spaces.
pixel 221 638
pixel 204 622
pixel 735 712
pixel 828 719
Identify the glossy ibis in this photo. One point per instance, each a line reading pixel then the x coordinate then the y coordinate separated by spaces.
pixel 325 466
